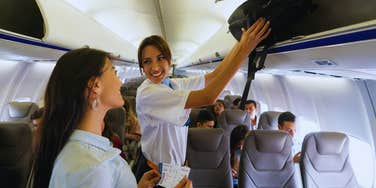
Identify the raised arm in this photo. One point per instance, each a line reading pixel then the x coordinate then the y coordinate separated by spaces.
pixel 217 80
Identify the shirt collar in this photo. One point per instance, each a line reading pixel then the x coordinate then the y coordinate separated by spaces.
pixel 166 82
pixel 91 139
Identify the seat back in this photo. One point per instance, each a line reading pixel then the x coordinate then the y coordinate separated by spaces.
pixel 230 118
pixel 325 161
pixel 266 160
pixel 269 120
pixel 115 119
pixel 15 154
pixel 19 111
pixel 208 156
pixel 229 99
pixel 193 116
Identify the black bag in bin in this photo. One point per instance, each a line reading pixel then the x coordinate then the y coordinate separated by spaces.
pixel 281 14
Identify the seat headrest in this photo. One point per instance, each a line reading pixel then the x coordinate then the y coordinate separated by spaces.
pixel 327 151
pixel 235 116
pixel 268 149
pixel 329 143
pixel 193 116
pixel 270 141
pixel 205 140
pixel 20 109
pixel 269 120
pixel 266 160
pixel 208 156
pixel 229 99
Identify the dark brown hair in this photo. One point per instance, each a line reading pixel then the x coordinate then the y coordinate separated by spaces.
pixel 157 42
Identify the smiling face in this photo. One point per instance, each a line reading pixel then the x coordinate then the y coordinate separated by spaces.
pixel 154 64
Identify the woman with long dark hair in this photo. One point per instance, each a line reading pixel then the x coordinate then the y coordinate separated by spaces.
pixel 72 152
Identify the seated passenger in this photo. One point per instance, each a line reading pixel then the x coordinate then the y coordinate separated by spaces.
pixel 36 120
pixel 237 139
pixel 219 107
pixel 286 122
pixel 132 133
pixel 72 153
pixel 113 137
pixel 205 119
pixel 132 126
pixel 236 103
pixel 250 106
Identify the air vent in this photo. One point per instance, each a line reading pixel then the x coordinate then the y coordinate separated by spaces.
pixel 324 62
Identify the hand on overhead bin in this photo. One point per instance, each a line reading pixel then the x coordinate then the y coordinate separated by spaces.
pixel 254 35
pixel 184 183
pixel 149 179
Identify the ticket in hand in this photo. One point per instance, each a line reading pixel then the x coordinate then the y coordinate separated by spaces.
pixel 171 175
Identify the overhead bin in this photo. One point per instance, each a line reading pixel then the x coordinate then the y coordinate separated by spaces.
pixel 321 16
pixel 22 17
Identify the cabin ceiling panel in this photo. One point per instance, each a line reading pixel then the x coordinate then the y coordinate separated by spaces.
pixel 119 26
pixel 190 24
pixel 132 20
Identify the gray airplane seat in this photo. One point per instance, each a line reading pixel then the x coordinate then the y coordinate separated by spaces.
pixel 19 111
pixel 325 161
pixel 229 99
pixel 231 118
pixel 15 154
pixel 208 156
pixel 269 120
pixel 115 120
pixel 193 116
pixel 266 160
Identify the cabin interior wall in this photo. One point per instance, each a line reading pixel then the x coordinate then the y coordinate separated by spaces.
pixel 23 81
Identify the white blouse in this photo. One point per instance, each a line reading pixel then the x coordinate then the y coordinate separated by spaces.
pixel 162 116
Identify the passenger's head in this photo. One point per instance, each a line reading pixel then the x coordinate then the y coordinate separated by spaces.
pixel 286 122
pixel 36 117
pixel 237 138
pixel 236 103
pixel 83 81
pixel 250 106
pixel 205 119
pixel 154 58
pixel 219 107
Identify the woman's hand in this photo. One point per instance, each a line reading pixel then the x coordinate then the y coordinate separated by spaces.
pixel 184 183
pixel 254 35
pixel 149 179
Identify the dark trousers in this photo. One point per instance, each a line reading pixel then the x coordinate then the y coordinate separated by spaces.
pixel 141 167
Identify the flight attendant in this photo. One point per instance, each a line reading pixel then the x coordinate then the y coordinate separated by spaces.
pixel 163 104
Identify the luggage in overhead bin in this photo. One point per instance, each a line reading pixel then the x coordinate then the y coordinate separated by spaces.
pixel 293 18
pixel 22 17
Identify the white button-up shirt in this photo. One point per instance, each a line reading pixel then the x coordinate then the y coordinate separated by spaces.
pixel 89 160
pixel 162 116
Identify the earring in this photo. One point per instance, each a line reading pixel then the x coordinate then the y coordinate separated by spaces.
pixel 95 104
